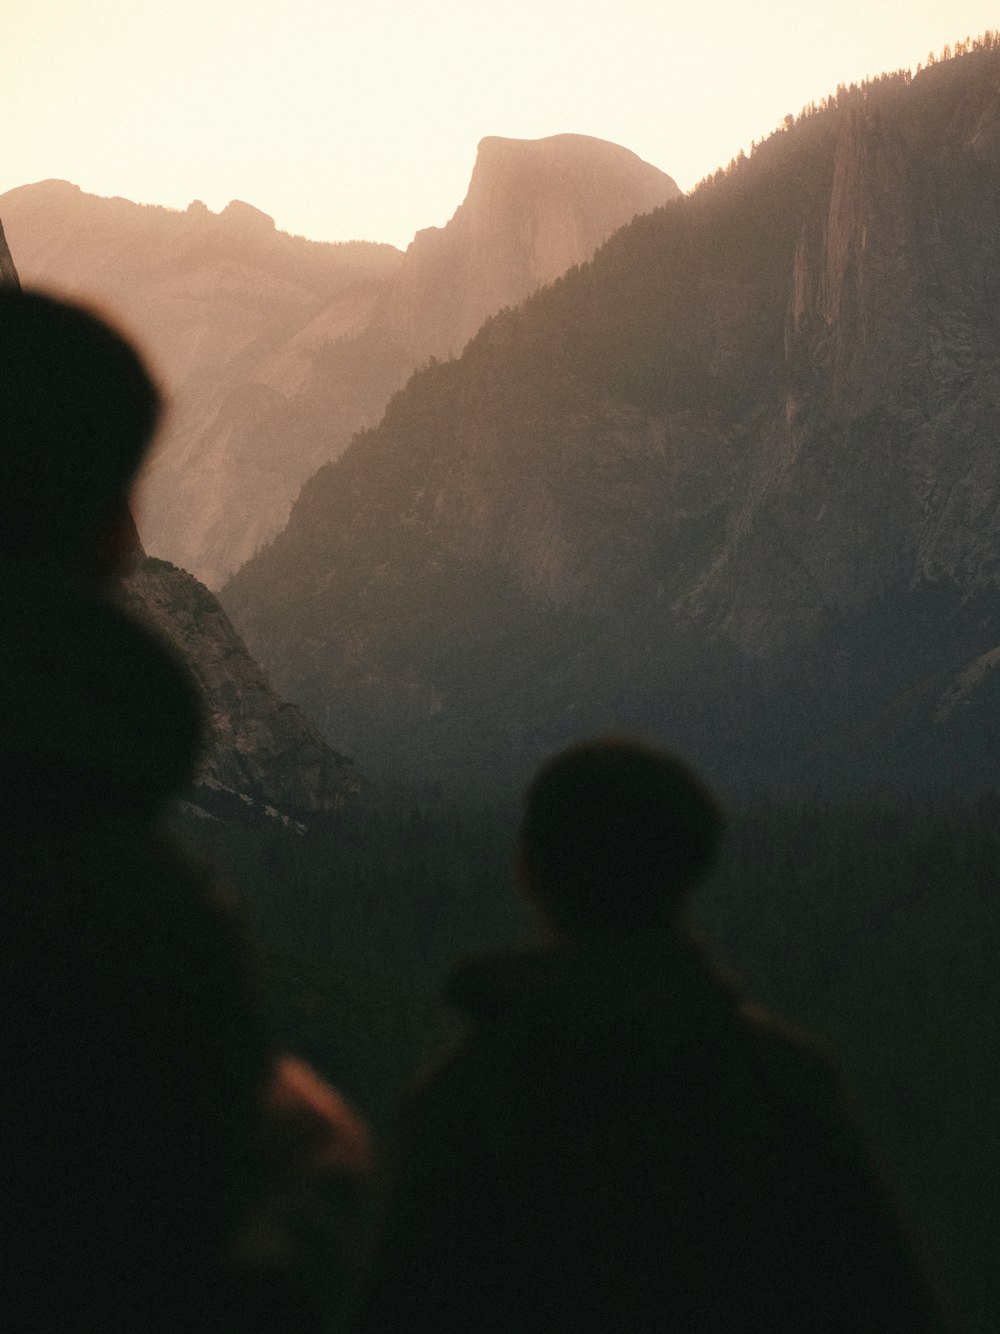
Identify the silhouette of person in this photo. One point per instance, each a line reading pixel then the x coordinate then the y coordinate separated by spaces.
pixel 620 1142
pixel 150 1140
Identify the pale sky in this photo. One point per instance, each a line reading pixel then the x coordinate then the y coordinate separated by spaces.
pixel 360 118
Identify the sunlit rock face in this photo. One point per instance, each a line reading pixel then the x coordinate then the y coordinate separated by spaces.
pixel 734 483
pixel 231 314
pixel 275 351
pixel 534 209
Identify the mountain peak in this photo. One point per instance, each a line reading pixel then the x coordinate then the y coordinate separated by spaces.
pixel 601 184
pixel 8 273
pixel 247 218
pixel 534 208
pixel 53 186
pixel 560 148
pixel 733 483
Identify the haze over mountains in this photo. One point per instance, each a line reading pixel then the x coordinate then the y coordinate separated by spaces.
pixel 276 350
pixel 735 482
pixel 212 298
pixel 534 208
pixel 260 754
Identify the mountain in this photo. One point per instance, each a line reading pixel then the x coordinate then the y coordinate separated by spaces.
pixel 8 273
pixel 534 209
pixel 733 483
pixel 276 350
pixel 215 300
pixel 260 754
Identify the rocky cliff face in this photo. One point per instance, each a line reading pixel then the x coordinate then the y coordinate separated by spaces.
pixel 534 209
pixel 231 313
pixel 276 350
pixel 735 482
pixel 8 273
pixel 876 467
pixel 260 753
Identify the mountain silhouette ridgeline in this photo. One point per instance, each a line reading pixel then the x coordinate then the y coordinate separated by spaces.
pixel 534 208
pixel 733 482
pixel 261 759
pixel 276 350
pixel 213 299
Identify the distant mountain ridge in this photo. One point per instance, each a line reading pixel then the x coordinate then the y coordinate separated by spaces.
pixel 534 209
pixel 261 758
pixel 212 298
pixel 734 482
pixel 276 350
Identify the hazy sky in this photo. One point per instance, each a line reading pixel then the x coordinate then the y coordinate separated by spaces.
pixel 360 118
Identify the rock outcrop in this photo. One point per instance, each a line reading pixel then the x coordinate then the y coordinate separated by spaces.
pixel 534 209
pixel 276 350
pixel 8 273
pixel 735 483
pixel 216 300
pixel 260 755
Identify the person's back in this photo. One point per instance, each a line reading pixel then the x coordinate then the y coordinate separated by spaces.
pixel 149 1138
pixel 619 1143
pixel 134 1065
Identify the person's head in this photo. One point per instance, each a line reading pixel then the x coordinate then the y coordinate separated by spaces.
pixel 77 411
pixel 614 836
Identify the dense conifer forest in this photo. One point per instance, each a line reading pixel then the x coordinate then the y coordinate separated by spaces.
pixel 873 926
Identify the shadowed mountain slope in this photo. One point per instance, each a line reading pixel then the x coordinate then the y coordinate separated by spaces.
pixel 276 350
pixel 734 482
pixel 8 273
pixel 260 754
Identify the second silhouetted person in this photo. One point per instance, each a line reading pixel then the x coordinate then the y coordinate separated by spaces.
pixel 620 1142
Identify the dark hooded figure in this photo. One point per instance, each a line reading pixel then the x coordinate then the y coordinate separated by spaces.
pixel 620 1144
pixel 145 1124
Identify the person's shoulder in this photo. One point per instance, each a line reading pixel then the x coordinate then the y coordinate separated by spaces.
pixel 446 1078
pixel 102 713
pixel 466 1091
pixel 795 1062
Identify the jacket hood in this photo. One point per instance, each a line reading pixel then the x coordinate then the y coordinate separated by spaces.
pixel 582 986
pixel 98 712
